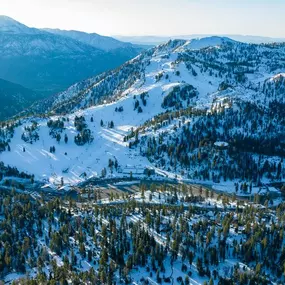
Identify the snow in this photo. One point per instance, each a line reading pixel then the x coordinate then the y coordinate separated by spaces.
pixel 91 159
pixel 127 183
pixel 107 144
pixel 229 187
pixel 277 76
pixel 77 163
pixel 205 42
pixel 221 144
pixel 9 25
pixel 12 277
pixel 137 216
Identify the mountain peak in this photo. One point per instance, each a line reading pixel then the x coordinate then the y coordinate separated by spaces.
pixel 195 44
pixel 11 26
pixel 205 42
pixel 4 18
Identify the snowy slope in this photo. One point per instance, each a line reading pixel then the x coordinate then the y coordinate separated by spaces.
pixel 141 89
pixel 200 43
pixel 91 159
pixel 108 143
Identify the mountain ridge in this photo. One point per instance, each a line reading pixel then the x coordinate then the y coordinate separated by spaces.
pixel 92 39
pixel 11 26
pixel 156 40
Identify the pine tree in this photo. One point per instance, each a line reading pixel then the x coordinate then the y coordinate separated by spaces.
pixel 58 138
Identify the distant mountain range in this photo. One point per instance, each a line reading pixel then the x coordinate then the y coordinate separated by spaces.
pixel 46 61
pixel 95 40
pixel 49 61
pixel 155 40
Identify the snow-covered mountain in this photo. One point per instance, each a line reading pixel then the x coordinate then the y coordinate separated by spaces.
pixel 207 109
pixel 41 45
pixel 9 25
pixel 49 62
pixel 93 39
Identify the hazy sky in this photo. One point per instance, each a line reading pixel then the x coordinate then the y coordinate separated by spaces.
pixel 152 17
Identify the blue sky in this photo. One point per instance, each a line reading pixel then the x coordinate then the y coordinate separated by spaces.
pixel 153 17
